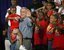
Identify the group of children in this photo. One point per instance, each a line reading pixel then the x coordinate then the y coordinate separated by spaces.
pixel 49 28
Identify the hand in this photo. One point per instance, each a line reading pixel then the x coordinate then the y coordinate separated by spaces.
pixel 28 13
pixel 36 28
pixel 52 30
pixel 16 18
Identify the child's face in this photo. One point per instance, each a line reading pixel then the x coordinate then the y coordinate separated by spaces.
pixel 52 19
pixel 13 10
pixel 49 6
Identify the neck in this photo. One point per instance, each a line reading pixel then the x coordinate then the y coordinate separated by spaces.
pixel 14 5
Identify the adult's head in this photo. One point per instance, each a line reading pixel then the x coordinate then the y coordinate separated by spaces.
pixel 14 2
pixel 23 12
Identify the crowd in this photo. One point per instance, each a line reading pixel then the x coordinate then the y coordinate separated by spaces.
pixel 35 29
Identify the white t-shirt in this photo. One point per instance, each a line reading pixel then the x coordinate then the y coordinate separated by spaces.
pixel 18 8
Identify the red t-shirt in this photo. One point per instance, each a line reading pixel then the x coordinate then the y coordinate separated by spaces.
pixel 43 26
pixel 50 35
pixel 14 23
pixel 50 12
pixel 40 36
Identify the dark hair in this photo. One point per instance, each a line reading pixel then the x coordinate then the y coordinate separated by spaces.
pixel 11 8
pixel 52 3
pixel 55 15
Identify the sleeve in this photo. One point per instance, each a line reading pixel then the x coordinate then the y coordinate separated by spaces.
pixel 7 13
pixel 18 10
pixel 29 22
pixel 60 9
pixel 9 16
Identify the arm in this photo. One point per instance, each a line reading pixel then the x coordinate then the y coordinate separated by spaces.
pixel 7 13
pixel 13 18
pixel 10 18
pixel 49 29
pixel 29 22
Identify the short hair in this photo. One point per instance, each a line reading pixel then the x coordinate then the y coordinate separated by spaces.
pixel 55 16
pixel 23 8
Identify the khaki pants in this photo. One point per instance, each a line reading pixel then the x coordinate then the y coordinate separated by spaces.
pixel 27 43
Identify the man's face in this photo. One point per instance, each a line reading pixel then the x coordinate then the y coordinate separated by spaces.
pixel 13 2
pixel 23 12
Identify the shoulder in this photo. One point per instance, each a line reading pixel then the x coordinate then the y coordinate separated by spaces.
pixel 18 6
pixel 28 19
pixel 10 15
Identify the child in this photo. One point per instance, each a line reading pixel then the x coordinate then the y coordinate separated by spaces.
pixel 15 34
pixel 40 32
pixel 50 30
pixel 50 9
pixel 59 36
pixel 59 40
